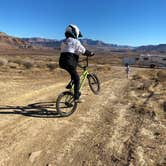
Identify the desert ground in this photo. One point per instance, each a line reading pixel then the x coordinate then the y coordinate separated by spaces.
pixel 125 125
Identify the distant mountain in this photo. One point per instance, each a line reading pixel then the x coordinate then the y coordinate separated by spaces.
pixel 93 44
pixel 3 34
pixel 10 42
pixel 42 42
pixel 150 48
pixel 99 43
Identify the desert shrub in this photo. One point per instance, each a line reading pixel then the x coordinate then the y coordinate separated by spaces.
pixel 52 66
pixel 28 64
pixel 3 61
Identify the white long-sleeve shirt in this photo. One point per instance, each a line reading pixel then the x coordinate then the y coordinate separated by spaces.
pixel 73 46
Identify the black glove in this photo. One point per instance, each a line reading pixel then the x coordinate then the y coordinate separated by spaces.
pixel 92 54
pixel 89 53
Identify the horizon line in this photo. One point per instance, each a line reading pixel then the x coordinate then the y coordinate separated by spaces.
pixel 101 40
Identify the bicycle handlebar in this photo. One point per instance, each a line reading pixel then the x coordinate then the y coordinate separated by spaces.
pixel 87 62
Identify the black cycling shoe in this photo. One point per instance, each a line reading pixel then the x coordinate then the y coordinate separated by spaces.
pixel 70 84
pixel 77 95
pixel 77 98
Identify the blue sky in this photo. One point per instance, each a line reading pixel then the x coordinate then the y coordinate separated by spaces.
pixel 125 22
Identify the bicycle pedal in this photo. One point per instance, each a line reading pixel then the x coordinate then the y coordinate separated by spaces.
pixel 80 101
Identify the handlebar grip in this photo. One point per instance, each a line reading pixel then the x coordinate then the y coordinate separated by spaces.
pixel 89 53
pixel 92 54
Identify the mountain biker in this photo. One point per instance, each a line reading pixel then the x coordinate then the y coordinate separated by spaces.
pixel 70 50
pixel 127 69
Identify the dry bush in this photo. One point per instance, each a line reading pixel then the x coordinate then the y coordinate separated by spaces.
pixel 27 64
pixel 52 66
pixel 3 62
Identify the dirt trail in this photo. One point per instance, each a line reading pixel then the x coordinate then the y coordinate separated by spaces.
pixel 108 130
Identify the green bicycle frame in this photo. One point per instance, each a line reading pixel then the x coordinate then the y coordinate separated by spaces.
pixel 83 77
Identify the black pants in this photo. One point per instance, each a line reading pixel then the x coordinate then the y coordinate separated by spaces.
pixel 69 62
pixel 75 78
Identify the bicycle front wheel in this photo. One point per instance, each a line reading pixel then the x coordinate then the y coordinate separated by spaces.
pixel 94 83
pixel 66 104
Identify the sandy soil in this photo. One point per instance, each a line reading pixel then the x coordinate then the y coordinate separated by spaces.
pixel 124 125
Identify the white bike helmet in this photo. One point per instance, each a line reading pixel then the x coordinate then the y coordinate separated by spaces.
pixel 73 31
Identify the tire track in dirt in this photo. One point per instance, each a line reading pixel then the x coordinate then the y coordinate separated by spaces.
pixel 76 150
pixel 29 125
pixel 135 147
pixel 105 130
pixel 124 147
pixel 18 127
pixel 33 96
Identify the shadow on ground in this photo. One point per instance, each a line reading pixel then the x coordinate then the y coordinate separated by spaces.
pixel 38 110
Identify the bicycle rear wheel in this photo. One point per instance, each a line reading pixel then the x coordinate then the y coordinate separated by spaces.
pixel 66 104
pixel 94 83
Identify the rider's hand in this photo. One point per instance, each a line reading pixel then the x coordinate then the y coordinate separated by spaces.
pixel 88 53
pixel 92 54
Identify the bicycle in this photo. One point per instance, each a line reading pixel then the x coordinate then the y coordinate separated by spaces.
pixel 65 103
